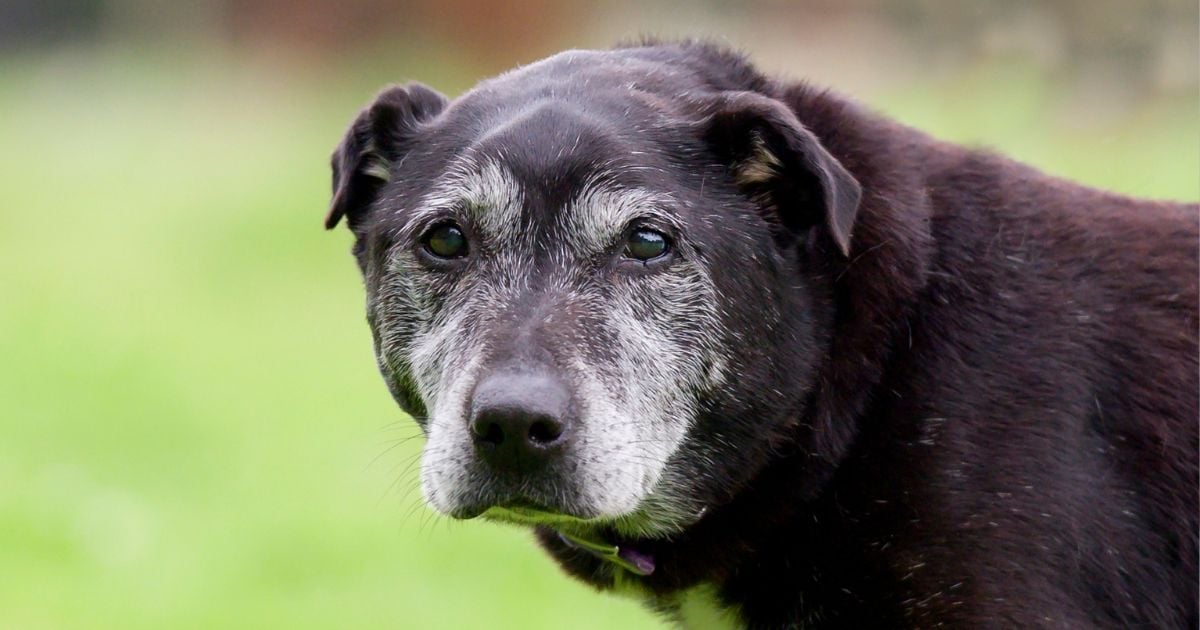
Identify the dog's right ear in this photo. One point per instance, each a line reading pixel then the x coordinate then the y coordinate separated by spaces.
pixel 377 139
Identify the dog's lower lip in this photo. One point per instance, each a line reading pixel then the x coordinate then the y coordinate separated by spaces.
pixel 469 512
pixel 524 505
pixel 524 510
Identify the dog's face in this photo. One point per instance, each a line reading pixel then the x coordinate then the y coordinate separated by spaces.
pixel 576 277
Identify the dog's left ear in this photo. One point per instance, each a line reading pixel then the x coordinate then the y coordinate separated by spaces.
pixel 780 163
pixel 377 139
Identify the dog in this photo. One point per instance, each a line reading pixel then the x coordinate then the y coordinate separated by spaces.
pixel 763 358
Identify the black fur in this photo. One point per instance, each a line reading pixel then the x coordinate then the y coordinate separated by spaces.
pixel 978 405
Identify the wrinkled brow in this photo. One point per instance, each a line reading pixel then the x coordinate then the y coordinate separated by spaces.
pixel 598 215
pixel 483 193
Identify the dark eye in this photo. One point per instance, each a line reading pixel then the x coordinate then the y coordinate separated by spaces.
pixel 446 241
pixel 646 245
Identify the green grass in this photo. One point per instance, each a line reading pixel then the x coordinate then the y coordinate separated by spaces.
pixel 192 432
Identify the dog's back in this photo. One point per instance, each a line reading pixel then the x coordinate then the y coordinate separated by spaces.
pixel 1044 395
pixel 1061 326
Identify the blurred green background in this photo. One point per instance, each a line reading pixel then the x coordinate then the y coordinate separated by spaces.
pixel 192 431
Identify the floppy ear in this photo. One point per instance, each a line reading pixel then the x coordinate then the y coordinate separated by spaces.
pixel 375 140
pixel 780 163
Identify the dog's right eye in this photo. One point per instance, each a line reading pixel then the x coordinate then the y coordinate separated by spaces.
pixel 646 245
pixel 446 241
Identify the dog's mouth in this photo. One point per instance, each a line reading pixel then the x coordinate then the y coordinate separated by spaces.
pixel 528 512
pixel 570 530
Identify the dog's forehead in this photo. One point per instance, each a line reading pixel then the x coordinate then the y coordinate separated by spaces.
pixel 556 147
pixel 569 113
pixel 553 165
pixel 577 134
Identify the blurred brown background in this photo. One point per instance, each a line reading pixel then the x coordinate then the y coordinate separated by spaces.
pixel 1149 45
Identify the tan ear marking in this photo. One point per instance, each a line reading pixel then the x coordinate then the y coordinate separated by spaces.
pixel 762 166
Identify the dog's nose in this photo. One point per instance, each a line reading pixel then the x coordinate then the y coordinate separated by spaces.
pixel 520 420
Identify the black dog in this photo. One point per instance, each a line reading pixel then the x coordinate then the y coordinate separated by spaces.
pixel 746 350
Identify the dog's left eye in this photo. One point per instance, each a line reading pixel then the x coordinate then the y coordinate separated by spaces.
pixel 646 245
pixel 446 241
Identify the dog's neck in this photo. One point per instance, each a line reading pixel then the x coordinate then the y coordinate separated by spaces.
pixel 627 557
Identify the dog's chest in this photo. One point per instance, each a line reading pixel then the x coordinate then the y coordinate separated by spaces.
pixel 699 608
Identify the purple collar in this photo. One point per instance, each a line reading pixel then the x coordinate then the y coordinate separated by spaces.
pixel 627 558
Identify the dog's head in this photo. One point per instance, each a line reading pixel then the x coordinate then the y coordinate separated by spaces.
pixel 598 283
